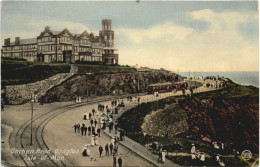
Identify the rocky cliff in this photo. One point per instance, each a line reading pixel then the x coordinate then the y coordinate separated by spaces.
pixel 105 84
pixel 233 121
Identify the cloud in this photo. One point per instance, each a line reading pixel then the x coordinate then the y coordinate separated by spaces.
pixel 220 47
pixel 166 30
pixel 30 27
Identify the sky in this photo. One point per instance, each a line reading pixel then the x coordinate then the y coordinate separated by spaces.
pixel 176 35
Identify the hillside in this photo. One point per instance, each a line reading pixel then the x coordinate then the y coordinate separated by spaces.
pixel 16 71
pixel 229 115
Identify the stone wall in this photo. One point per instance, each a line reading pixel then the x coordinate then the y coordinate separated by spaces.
pixel 105 84
pixel 19 94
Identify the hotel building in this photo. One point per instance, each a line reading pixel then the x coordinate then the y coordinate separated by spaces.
pixel 65 46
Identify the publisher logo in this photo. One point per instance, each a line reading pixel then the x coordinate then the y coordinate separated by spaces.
pixel 246 155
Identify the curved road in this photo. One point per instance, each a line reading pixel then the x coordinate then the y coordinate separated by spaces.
pixel 53 129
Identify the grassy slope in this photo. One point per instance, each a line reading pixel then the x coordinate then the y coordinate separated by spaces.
pixel 15 71
pixel 18 71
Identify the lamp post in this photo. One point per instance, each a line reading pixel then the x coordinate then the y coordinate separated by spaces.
pixel 32 101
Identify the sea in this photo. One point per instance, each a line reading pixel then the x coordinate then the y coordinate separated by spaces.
pixel 241 77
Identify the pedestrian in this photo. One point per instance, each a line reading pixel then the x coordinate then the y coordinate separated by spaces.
pixel 95 122
pixel 92 140
pixel 120 162
pixel 89 130
pixel 75 127
pixel 193 149
pixel 114 161
pixel 84 152
pixel 98 131
pixel 100 150
pixel 93 130
pixel 93 111
pixel 107 150
pixel 89 115
pixel 163 156
pixel 111 148
pixel 78 128
pixel 91 122
pixel 113 141
pixel 85 130
pixel 82 130
pixel 96 140
pixel 115 150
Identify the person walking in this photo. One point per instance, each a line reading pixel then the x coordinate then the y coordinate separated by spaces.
pixel 113 141
pixel 96 140
pixel 78 128
pixel 111 148
pixel 115 149
pixel 75 127
pixel 89 115
pixel 107 150
pixel 91 122
pixel 92 141
pixel 120 161
pixel 114 161
pixel 98 131
pixel 82 130
pixel 163 156
pixel 89 130
pixel 95 122
pixel 93 130
pixel 100 150
pixel 85 130
pixel 93 111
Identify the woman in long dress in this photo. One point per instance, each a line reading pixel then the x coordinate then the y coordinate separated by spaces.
pixel 84 151
pixel 163 156
pixel 92 140
pixel 96 140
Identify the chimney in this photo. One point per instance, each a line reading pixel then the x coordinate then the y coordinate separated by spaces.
pixel 17 40
pixel 7 41
pixel 47 28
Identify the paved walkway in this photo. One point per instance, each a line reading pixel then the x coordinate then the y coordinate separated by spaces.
pixel 141 151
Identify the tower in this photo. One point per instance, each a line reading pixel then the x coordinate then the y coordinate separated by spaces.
pixel 107 34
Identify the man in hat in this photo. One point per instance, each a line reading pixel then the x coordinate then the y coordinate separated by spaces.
pixel 75 127
pixel 107 151
pixel 111 148
pixel 100 150
pixel 98 131
pixel 89 130
pixel 89 115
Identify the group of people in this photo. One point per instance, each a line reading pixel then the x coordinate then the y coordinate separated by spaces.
pixel 110 149
pixel 196 154
pixel 83 129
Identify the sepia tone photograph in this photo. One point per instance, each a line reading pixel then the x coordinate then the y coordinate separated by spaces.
pixel 129 83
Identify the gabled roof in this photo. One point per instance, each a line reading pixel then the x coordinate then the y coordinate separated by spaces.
pixel 26 41
pixel 55 32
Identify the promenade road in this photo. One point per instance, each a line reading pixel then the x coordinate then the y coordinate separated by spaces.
pixel 52 129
